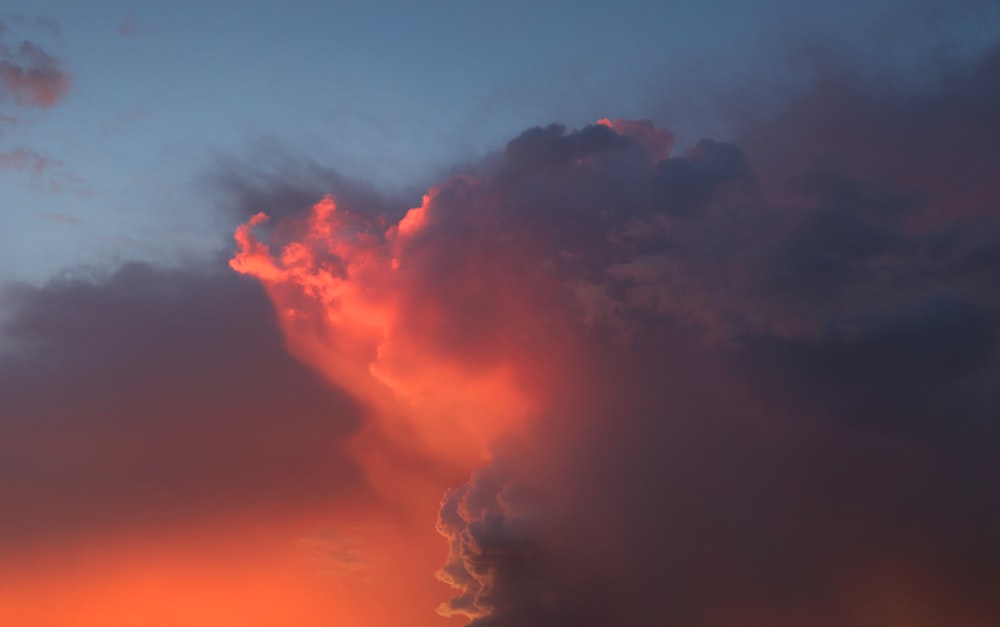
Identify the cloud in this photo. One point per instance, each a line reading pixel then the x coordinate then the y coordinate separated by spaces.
pixel 157 394
pixel 129 26
pixel 748 385
pixel 59 218
pixel 885 129
pixel 25 160
pixel 273 179
pixel 31 76
pixel 337 554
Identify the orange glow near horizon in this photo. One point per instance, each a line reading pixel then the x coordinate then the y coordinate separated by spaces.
pixel 369 573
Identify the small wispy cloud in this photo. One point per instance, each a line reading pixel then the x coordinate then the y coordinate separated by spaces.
pixel 337 554
pixel 129 26
pixel 60 218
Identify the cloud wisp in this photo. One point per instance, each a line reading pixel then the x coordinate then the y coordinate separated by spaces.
pixel 29 75
pixel 29 78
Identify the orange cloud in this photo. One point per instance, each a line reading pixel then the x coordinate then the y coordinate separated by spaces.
pixel 356 303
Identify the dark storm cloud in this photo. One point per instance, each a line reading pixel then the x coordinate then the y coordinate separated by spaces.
pixel 157 394
pixel 785 382
pixel 938 136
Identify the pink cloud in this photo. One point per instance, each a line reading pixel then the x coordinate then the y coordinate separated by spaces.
pixel 33 77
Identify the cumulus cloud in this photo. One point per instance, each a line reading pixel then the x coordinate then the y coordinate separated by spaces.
pixel 751 386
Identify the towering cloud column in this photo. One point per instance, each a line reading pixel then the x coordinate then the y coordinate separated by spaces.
pixel 684 397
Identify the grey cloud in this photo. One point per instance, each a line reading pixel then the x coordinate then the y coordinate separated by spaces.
pixel 157 394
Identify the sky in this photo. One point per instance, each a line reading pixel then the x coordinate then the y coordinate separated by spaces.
pixel 500 314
